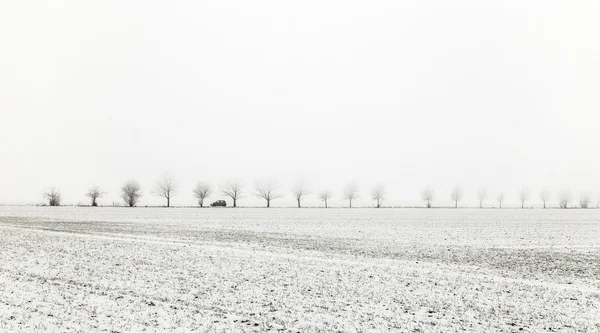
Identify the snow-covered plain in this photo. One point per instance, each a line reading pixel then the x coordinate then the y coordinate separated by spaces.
pixel 299 270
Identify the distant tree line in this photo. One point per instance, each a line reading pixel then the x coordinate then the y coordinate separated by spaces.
pixel 269 190
pixel 564 197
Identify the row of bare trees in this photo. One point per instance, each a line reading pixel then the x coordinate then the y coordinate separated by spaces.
pixel 564 197
pixel 270 190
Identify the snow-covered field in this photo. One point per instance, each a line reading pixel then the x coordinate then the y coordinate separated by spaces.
pixel 299 270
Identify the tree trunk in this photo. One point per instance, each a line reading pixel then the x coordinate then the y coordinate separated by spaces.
pixel 350 203
pixel 378 204
pixel 544 204
pixel 201 202
pixel 500 205
pixel 268 203
pixel 456 204
pixel 168 202
pixel 480 204
pixel 234 203
pixel 325 203
pixel 298 202
pixel 522 204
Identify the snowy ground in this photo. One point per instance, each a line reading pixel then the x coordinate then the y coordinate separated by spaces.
pixel 299 270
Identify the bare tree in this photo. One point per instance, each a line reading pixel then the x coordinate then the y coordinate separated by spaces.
pixel 524 194
pixel 500 198
pixel 378 194
pixel 166 188
pixel 456 195
pixel 325 195
pixel 53 196
pixel 585 200
pixel 427 194
pixel 564 196
pixel 545 196
pixel 94 193
pixel 482 194
pixel 268 190
pixel 233 189
pixel 202 191
pixel 351 193
pixel 299 190
pixel 131 192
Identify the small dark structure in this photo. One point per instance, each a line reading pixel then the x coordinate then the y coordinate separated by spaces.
pixel 219 203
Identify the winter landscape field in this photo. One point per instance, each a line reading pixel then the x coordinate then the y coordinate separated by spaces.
pixel 299 270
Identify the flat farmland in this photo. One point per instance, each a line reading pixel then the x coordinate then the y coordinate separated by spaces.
pixel 299 270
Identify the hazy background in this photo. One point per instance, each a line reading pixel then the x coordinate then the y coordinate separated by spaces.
pixel 409 93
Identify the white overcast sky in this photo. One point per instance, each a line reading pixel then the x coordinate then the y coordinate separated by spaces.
pixel 501 94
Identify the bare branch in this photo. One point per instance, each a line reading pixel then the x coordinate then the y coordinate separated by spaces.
pixel 500 198
pixel 300 190
pixel 268 190
pixel 564 196
pixel 545 196
pixel 94 193
pixel 378 194
pixel 524 194
pixel 427 194
pixel 131 192
pixel 351 192
pixel 53 196
pixel 325 195
pixel 233 189
pixel 456 195
pixel 482 194
pixel 165 188
pixel 585 200
pixel 202 191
